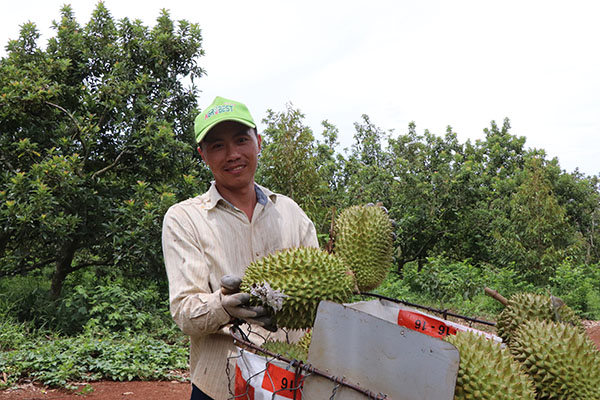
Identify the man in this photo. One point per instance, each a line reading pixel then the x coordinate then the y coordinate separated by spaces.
pixel 208 241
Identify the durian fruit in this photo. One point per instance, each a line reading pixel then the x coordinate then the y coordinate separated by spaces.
pixel 562 361
pixel 293 351
pixel 487 371
pixel 363 239
pixel 528 306
pixel 305 276
pixel 304 341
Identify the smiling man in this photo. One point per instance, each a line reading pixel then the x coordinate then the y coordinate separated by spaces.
pixel 208 241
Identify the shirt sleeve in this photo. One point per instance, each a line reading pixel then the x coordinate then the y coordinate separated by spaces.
pixel 309 236
pixel 194 307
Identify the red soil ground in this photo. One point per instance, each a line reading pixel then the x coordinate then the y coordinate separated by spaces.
pixel 104 391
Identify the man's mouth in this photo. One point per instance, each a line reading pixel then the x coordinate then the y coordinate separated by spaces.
pixel 235 168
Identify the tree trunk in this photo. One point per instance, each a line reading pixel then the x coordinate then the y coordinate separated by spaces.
pixel 400 266
pixel 63 268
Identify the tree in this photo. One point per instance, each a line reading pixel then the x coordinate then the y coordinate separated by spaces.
pixel 366 177
pixel 536 236
pixel 288 161
pixel 96 142
pixel 425 201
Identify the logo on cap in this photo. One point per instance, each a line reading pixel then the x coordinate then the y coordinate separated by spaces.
pixel 218 110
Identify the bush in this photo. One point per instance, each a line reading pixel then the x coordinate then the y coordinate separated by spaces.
pixel 12 334
pixel 115 332
pixel 97 304
pixel 27 299
pixel 444 280
pixel 111 308
pixel 458 285
pixel 90 357
pixel 393 286
pixel 579 287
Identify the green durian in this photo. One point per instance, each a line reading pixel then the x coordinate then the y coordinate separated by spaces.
pixel 487 371
pixel 305 340
pixel 562 361
pixel 305 276
pixel 363 239
pixel 293 351
pixel 528 306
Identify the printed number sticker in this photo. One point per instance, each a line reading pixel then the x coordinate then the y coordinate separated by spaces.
pixel 281 381
pixel 424 324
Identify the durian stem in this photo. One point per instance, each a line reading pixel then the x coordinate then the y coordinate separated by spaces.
pixel 496 296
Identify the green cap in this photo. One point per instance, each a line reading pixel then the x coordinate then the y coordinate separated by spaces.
pixel 221 110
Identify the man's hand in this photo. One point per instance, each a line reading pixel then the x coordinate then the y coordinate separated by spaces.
pixel 237 304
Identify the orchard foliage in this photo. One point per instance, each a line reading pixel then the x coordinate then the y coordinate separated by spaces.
pixel 95 131
pixel 96 139
pixel 492 202
pixel 96 142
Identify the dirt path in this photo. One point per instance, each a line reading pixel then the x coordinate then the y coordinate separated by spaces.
pixel 593 330
pixel 104 391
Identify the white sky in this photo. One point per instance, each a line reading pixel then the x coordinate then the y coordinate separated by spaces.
pixel 461 63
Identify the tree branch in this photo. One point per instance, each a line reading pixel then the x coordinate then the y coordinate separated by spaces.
pixel 103 170
pixel 89 264
pixel 78 128
pixel 22 270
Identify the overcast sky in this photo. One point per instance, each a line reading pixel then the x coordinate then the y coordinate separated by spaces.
pixel 437 63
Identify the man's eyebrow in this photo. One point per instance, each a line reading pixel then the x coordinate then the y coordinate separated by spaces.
pixel 243 132
pixel 209 139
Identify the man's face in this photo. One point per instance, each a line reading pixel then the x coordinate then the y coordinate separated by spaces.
pixel 231 151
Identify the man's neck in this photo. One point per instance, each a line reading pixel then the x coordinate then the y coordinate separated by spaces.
pixel 242 198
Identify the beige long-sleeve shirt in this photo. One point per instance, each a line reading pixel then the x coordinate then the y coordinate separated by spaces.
pixel 204 238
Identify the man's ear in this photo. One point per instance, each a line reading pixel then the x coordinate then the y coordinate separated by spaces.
pixel 259 140
pixel 201 153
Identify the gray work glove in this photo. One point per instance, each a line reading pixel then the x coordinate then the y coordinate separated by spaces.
pixel 237 304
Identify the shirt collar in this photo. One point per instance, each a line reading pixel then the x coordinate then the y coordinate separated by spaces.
pixel 263 195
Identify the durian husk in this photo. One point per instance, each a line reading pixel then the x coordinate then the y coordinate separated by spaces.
pixel 305 340
pixel 529 306
pixel 487 371
pixel 562 361
pixel 363 239
pixel 306 276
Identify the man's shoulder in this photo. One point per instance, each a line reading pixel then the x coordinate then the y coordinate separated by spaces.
pixel 200 202
pixel 278 199
pixel 286 205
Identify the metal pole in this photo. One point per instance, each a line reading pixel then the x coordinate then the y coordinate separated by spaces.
pixel 442 312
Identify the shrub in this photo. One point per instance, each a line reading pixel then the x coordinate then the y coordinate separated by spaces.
pixel 12 334
pixel 26 299
pixel 89 357
pixel 579 287
pixel 444 280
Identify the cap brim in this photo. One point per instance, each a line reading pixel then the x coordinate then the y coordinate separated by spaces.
pixel 207 128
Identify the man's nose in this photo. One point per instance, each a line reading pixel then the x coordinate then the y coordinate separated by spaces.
pixel 233 152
